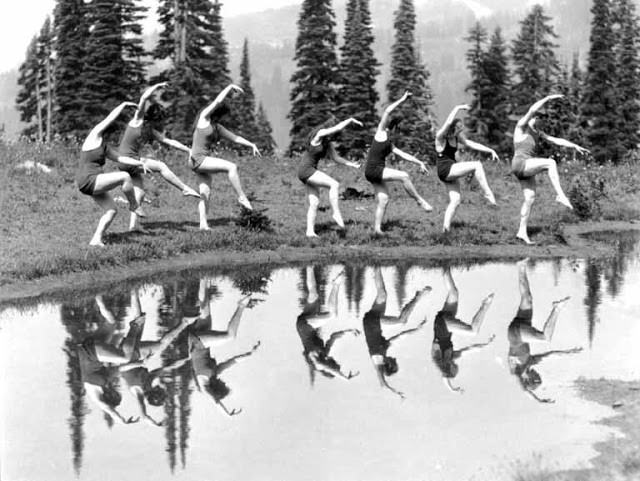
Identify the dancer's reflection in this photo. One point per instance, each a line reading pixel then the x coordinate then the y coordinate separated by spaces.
pixel 442 351
pixel 377 343
pixel 206 369
pixel 317 351
pixel 521 332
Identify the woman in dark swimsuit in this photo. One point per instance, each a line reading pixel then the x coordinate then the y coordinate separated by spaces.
pixel 442 352
pixel 525 166
pixel 321 146
pixel 317 351
pixel 379 175
pixel 206 133
pixel 93 181
pixel 521 332
pixel 377 343
pixel 448 138
pixel 145 127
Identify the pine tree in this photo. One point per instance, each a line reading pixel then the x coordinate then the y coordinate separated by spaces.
pixel 192 39
pixel 415 132
pixel 71 33
pixel 264 136
pixel 599 113
pixel 358 71
pixel 534 60
pixel 496 96
pixel 245 104
pixel 476 121
pixel 628 75
pixel 35 77
pixel 114 68
pixel 576 87
pixel 314 82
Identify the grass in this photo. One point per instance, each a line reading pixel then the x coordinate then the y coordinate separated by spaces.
pixel 46 223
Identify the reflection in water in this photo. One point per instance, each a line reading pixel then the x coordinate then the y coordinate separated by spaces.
pixel 521 332
pixel 442 352
pixel 313 332
pixel 379 344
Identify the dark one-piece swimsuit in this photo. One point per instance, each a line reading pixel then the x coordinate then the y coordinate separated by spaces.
pixel 203 139
pixel 376 160
pixel 445 160
pixel 130 146
pixel 309 163
pixel 90 166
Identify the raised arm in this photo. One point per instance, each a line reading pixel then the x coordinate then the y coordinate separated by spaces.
pixel 534 108
pixel 390 108
pixel 139 115
pixel 479 147
pixel 335 129
pixel 204 115
pixel 227 134
pixel 447 123
pixel 95 136
pixel 411 158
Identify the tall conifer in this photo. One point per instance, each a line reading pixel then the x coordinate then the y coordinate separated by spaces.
pixel 496 94
pixel 476 121
pixel 245 104
pixel 415 132
pixel 314 82
pixel 264 136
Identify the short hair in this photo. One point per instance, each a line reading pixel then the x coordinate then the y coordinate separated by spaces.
pixel 156 395
pixel 111 396
pixel 218 388
pixel 394 122
pixel 390 365
pixel 453 126
pixel 155 113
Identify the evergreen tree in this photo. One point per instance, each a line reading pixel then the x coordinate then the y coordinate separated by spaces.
pixel 114 67
pixel 314 82
pixel 476 121
pixel 192 39
pixel 264 136
pixel 534 60
pixel 576 86
pixel 359 69
pixel 599 114
pixel 245 104
pixel 496 98
pixel 35 78
pixel 415 132
pixel 71 33
pixel 628 75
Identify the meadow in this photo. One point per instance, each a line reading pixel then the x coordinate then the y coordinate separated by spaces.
pixel 46 223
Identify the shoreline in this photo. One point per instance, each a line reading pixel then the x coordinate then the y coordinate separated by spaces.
pixel 576 246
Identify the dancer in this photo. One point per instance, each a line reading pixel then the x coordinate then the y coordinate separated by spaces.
pixel 525 166
pixel 92 181
pixel 317 351
pixel 448 138
pixel 146 126
pixel 379 175
pixel 521 332
pixel 320 146
pixel 442 352
pixel 378 344
pixel 206 133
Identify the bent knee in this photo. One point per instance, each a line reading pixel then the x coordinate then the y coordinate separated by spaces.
pixel 205 191
pixel 529 195
pixel 313 201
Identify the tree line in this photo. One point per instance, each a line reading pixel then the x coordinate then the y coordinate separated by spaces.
pixel 91 58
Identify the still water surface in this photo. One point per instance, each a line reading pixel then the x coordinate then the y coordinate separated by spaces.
pixel 323 372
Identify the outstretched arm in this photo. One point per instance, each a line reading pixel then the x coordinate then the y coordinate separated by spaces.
pixel 231 361
pixel 411 158
pixel 339 334
pixel 447 123
pixel 480 148
pixel 204 115
pixel 539 357
pixel 407 331
pixel 227 134
pixel 390 108
pixel 535 107
pixel 139 115
pixel 96 133
pixel 333 154
pixel 474 347
pixel 176 144
pixel 336 128
pixel 564 143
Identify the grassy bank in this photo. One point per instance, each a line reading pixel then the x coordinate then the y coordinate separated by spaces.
pixel 46 223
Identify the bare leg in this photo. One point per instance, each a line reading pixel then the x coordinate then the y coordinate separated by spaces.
pixel 529 192
pixel 452 291
pixel 393 175
pixel 138 189
pixel 213 338
pixel 311 285
pixel 332 301
pixel 381 290
pixel 108 205
pixel 204 185
pixel 168 175
pixel 460 169
pixel 454 202
pixel 526 300
pixel 536 165
pixel 382 197
pixel 550 325
pixel 322 180
pixel 213 165
pixel 313 195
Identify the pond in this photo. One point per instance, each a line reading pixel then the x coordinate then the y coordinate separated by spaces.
pixel 439 371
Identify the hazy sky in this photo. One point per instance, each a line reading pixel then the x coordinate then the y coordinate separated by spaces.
pixel 20 20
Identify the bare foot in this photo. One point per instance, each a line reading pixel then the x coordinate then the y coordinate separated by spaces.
pixel 564 201
pixel 524 238
pixel 244 202
pixel 140 212
pixel 490 197
pixel 96 243
pixel 189 192
pixel 311 235
pixel 205 228
pixel 424 205
pixel 559 303
pixel 338 220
